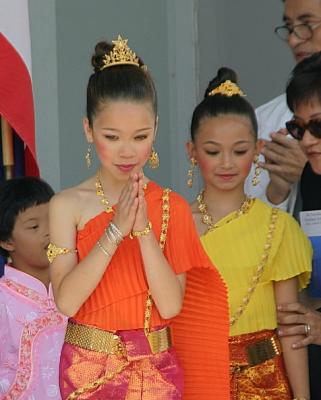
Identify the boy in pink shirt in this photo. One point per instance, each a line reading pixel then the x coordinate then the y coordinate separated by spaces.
pixel 31 329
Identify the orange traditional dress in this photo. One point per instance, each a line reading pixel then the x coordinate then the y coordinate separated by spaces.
pixel 260 247
pixel 113 318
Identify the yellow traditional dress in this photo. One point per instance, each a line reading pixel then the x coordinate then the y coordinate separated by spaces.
pixel 236 247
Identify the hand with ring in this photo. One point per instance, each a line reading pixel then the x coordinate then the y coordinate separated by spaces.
pixel 307 329
pixel 297 319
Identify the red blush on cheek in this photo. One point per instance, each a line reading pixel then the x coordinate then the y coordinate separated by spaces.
pixel 205 166
pixel 103 151
pixel 144 155
pixel 247 168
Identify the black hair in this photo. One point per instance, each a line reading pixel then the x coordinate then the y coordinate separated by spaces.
pixel 219 104
pixel 16 195
pixel 119 82
pixel 304 84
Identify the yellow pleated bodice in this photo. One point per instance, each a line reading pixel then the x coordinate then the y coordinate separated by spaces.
pixel 236 249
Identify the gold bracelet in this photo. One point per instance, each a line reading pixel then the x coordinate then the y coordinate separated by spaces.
pixel 144 232
pixel 53 251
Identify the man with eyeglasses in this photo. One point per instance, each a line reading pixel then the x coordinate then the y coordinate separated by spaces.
pixel 284 160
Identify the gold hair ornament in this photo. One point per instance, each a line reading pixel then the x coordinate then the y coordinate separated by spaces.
pixel 121 54
pixel 227 88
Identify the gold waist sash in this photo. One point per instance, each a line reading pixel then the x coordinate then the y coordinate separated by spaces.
pixel 253 348
pixel 95 339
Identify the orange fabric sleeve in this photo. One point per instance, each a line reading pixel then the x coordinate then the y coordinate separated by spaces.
pixel 183 248
pixel 201 330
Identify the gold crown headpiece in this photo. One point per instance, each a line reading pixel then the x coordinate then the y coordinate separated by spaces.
pixel 227 88
pixel 120 54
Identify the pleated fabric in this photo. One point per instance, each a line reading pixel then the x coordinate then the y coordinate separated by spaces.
pixel 236 248
pixel 200 332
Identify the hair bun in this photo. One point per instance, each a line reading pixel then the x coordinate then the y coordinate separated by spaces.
pixel 101 49
pixel 223 74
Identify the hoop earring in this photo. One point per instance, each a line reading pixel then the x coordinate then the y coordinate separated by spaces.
pixel 153 160
pixel 190 172
pixel 257 171
pixel 88 156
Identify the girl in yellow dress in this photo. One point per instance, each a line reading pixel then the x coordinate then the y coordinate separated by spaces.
pixel 260 251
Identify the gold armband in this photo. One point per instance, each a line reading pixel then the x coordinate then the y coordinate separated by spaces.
pixel 53 251
pixel 144 232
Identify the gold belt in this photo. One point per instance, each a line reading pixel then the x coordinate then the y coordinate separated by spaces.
pixel 262 351
pixel 160 340
pixel 245 354
pixel 95 339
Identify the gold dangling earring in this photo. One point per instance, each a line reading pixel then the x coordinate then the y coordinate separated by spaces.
pixel 257 171
pixel 153 160
pixel 190 173
pixel 88 156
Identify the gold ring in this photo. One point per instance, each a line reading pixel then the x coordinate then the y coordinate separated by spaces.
pixel 307 329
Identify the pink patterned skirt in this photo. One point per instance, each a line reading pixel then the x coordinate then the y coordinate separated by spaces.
pixel 138 374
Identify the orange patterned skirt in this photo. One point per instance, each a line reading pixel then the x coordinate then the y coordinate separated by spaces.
pixel 257 370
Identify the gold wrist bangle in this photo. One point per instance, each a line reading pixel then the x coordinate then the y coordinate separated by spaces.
pixel 144 232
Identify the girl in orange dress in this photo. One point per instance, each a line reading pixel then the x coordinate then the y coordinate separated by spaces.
pixel 148 312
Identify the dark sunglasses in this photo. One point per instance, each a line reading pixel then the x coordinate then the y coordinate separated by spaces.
pixel 297 128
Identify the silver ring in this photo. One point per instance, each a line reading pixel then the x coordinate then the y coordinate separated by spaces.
pixel 307 329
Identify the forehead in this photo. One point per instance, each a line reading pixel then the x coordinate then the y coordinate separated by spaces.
pixel 225 126
pixel 33 212
pixel 122 108
pixel 308 110
pixel 301 9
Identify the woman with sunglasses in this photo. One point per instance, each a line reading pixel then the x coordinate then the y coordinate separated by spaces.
pixel 304 100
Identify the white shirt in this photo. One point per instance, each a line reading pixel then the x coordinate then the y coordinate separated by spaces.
pixel 271 117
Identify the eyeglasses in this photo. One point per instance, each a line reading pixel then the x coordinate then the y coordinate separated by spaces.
pixel 302 31
pixel 297 128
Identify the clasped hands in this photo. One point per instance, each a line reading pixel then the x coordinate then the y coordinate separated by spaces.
pixel 131 212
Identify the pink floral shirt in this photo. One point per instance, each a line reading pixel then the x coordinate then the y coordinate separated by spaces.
pixel 31 336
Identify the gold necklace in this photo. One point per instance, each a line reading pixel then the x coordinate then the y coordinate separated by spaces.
pixel 207 219
pixel 260 268
pixel 100 193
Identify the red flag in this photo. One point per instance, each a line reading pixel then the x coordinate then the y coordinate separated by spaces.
pixel 16 97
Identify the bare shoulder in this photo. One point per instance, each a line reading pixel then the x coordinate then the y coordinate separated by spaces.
pixel 69 197
pixel 72 200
